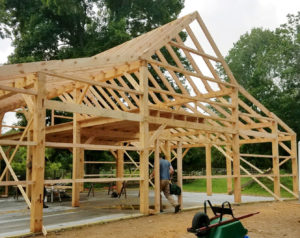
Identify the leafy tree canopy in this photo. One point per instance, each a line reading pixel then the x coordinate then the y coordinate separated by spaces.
pixel 56 29
pixel 267 64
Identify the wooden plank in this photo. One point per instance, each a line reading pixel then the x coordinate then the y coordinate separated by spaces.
pixel 156 178
pixel 294 164
pixel 38 158
pixel 15 183
pixel 228 170
pixel 90 146
pixel 119 168
pixel 18 90
pixel 190 125
pixel 236 149
pixel 208 169
pixel 256 155
pixel 275 159
pixel 19 143
pixel 69 107
pixel 29 163
pixel 257 134
pixel 76 154
pixel 144 136
pixel 179 173
pixel 91 180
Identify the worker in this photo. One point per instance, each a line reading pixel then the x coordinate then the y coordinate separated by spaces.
pixel 165 171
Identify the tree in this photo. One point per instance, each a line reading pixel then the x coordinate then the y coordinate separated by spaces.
pixel 53 29
pixel 267 64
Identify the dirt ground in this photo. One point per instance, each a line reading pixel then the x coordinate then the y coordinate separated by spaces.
pixel 276 219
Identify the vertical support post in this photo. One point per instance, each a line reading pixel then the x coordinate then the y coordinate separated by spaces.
pixel 6 187
pixel 38 159
pixel 275 154
pixel 29 164
pixel 168 150
pixel 81 185
pixel 179 172
pixel 52 117
pixel 144 137
pixel 208 169
pixel 156 178
pixel 120 169
pixel 294 164
pixel 228 170
pixel 76 155
pixel 236 147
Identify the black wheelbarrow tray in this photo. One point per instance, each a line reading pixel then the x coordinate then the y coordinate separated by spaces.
pixel 218 226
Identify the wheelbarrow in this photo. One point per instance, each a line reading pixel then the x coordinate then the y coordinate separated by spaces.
pixel 218 226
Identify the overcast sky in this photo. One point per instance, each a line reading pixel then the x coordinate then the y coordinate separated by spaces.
pixel 226 20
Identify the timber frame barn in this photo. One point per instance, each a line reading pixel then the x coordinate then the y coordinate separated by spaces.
pixel 159 92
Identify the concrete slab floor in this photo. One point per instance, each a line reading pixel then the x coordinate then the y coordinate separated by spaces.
pixel 15 217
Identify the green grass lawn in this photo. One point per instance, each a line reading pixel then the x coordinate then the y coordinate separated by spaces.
pixel 220 186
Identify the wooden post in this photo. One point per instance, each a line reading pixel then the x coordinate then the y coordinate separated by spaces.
pixel 294 163
pixel 6 187
pixel 156 178
pixel 29 164
pixel 120 168
pixel 275 154
pixel 81 185
pixel 208 169
pixel 76 155
pixel 179 172
pixel 229 170
pixel 38 159
pixel 144 136
pixel 168 150
pixel 236 148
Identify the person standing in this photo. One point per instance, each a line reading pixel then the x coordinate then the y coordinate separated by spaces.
pixel 165 171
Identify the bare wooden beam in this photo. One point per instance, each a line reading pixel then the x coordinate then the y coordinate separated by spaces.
pixel 38 158
pixel 144 141
pixel 75 108
pixel 18 90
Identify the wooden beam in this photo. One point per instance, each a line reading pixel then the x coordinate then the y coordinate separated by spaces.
pixel 38 158
pixel 157 178
pixel 179 173
pixel 19 143
pixel 119 168
pixel 29 163
pixel 75 108
pixel 275 159
pixel 190 125
pixel 76 154
pixel 236 149
pixel 208 169
pixel 18 90
pixel 294 164
pixel 228 170
pixel 144 141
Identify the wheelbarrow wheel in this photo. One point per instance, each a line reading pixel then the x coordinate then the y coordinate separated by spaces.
pixel 200 220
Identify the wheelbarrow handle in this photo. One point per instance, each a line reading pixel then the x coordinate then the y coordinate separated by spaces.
pixel 226 222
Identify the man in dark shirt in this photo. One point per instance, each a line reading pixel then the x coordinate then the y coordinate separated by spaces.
pixel 165 170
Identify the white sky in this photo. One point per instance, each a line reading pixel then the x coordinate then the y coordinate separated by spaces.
pixel 226 20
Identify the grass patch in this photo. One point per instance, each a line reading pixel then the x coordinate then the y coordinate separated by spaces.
pixel 220 186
